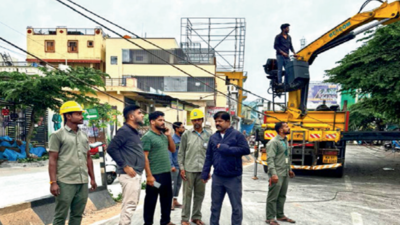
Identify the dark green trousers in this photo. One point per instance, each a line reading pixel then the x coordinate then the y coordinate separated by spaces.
pixel 193 188
pixel 73 198
pixel 276 198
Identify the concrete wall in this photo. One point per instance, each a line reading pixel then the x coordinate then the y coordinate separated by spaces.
pixel 36 42
pixel 114 47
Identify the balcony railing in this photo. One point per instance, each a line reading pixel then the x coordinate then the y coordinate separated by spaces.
pixel 121 82
pixel 175 56
pixel 70 31
pixel 15 64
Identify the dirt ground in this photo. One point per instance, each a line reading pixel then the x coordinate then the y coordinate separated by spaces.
pixel 100 215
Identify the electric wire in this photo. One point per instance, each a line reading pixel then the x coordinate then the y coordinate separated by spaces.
pixel 168 52
pixel 177 68
pixel 46 63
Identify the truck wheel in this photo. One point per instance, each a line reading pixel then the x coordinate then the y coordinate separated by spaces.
pixel 338 172
pixel 266 169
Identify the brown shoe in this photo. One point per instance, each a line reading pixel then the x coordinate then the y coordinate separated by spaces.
pixel 285 219
pixel 198 222
pixel 176 204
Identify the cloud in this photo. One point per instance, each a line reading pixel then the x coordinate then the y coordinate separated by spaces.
pixel 162 18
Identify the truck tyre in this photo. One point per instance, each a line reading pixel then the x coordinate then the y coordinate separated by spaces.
pixel 338 172
pixel 266 169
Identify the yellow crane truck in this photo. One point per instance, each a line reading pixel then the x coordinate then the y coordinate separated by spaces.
pixel 318 138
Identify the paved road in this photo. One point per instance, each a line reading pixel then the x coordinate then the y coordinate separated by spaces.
pixel 18 185
pixel 367 194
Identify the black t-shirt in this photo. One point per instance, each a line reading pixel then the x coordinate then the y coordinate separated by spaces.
pixel 283 44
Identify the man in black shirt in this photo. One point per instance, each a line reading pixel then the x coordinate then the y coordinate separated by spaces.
pixel 282 45
pixel 126 150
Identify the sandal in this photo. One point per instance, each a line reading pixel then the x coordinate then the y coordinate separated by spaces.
pixel 285 219
pixel 198 222
pixel 185 223
pixel 272 222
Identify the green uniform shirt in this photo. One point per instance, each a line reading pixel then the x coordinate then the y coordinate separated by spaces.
pixel 192 150
pixel 72 148
pixel 279 156
pixel 157 146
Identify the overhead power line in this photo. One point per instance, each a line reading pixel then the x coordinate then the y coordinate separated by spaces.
pixel 163 60
pixel 168 52
pixel 180 57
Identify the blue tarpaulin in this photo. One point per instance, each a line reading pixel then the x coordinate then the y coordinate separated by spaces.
pixel 11 155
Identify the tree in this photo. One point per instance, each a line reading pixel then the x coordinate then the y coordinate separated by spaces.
pixel 365 119
pixel 374 69
pixel 107 115
pixel 49 91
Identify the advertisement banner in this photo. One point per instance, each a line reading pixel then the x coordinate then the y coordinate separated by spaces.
pixel 319 92
pixel 212 110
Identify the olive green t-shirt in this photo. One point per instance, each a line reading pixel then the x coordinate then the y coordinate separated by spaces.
pixel 72 148
pixel 157 146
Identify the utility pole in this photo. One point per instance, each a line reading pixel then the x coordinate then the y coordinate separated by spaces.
pixel 177 110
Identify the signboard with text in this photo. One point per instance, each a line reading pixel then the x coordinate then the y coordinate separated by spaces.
pixel 319 92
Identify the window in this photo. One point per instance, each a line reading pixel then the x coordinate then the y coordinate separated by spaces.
pixel 194 85
pixel 49 46
pixel 175 84
pixel 90 44
pixel 126 56
pixel 114 60
pixel 130 56
pixel 73 46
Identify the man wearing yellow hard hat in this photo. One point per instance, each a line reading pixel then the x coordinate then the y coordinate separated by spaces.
pixel 69 166
pixel 191 157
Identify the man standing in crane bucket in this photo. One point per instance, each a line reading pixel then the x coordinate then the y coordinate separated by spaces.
pixel 279 171
pixel 282 45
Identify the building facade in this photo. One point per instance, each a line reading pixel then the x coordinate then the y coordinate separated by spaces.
pixel 73 47
pixel 149 71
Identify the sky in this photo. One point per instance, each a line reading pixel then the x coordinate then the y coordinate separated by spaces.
pixel 309 19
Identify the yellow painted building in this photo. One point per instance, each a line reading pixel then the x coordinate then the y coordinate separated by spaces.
pixel 126 61
pixel 74 47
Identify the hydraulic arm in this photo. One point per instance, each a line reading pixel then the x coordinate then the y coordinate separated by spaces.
pixel 297 73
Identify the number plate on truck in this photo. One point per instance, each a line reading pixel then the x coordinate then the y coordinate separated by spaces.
pixel 329 159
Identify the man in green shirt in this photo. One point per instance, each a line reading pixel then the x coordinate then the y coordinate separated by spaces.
pixel 191 157
pixel 156 144
pixel 69 166
pixel 279 170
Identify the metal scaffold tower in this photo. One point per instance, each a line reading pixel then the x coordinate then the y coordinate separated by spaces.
pixel 224 36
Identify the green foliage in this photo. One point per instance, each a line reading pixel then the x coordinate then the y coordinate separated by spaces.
pixel 50 90
pixel 146 120
pixel 29 160
pixel 144 185
pixel 373 69
pixel 96 156
pixel 107 115
pixel 46 92
pixel 364 119
pixel 118 198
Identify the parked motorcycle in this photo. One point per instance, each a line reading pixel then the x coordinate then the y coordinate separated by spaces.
pixel 111 165
pixel 111 169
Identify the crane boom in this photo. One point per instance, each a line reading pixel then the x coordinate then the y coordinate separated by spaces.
pixel 385 14
pixel 297 72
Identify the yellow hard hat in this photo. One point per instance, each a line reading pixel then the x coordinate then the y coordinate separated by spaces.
pixel 196 114
pixel 71 106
